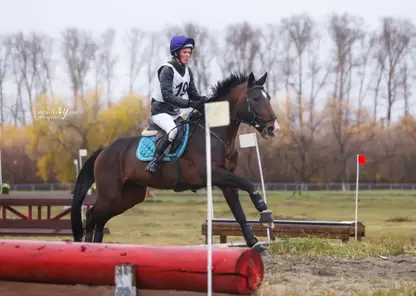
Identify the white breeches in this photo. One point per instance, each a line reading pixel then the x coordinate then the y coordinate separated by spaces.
pixel 166 122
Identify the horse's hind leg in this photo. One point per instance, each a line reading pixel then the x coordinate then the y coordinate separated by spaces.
pixel 131 195
pixel 89 225
pixel 100 224
pixel 109 191
pixel 100 214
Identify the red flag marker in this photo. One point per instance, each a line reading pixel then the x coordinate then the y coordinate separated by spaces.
pixel 361 159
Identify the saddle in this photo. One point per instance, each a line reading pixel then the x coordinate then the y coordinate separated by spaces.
pixel 152 134
pixel 152 129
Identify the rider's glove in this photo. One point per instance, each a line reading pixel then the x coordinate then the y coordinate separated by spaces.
pixel 196 104
pixel 203 98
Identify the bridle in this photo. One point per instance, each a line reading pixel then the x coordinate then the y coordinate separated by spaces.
pixel 255 120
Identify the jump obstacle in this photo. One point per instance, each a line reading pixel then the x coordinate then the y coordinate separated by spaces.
pixel 224 227
pixel 235 270
pixel 342 230
pixel 39 218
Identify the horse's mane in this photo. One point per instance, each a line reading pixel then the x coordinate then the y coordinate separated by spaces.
pixel 223 87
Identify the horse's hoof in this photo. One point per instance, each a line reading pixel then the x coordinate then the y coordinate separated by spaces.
pixel 266 219
pixel 259 248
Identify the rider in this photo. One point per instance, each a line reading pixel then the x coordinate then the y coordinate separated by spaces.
pixel 174 89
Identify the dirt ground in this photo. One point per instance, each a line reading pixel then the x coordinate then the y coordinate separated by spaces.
pixel 344 277
pixel 282 273
pixel 19 289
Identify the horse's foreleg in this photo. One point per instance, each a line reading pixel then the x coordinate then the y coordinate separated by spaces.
pixel 233 201
pixel 223 178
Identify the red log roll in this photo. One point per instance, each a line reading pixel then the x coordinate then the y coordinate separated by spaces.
pixel 235 270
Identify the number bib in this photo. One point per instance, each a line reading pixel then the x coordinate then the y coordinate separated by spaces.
pixel 180 84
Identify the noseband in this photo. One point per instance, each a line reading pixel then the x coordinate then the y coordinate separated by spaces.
pixel 255 121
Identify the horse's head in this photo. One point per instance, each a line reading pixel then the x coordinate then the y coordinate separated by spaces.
pixel 254 109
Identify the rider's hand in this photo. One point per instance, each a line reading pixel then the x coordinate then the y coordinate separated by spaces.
pixel 196 104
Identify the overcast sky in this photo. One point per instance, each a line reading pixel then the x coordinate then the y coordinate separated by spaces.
pixel 51 16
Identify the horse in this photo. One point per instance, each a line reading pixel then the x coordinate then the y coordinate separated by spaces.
pixel 118 169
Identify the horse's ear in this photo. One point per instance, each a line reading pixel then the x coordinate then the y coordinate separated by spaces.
pixel 262 79
pixel 251 79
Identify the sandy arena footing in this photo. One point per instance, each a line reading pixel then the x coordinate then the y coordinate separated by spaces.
pixel 34 289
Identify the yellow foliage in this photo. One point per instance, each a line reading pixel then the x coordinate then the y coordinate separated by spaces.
pixel 56 134
pixel 64 169
pixel 360 129
pixel 43 164
pixel 406 122
pixel 49 107
pixel 122 119
pixel 15 136
pixel 90 100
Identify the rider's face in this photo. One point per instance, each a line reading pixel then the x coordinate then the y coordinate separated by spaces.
pixel 185 55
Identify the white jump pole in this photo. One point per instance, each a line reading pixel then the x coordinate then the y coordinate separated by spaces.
pixel 360 160
pixel 216 114
pixel 76 168
pixel 81 153
pixel 250 140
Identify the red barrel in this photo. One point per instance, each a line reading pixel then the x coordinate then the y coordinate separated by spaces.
pixel 235 270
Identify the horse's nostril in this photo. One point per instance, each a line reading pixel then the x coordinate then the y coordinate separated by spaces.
pixel 276 126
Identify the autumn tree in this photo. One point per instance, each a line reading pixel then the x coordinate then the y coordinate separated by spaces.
pixel 153 52
pixel 32 70
pixel 394 40
pixel 4 71
pixel 78 50
pixel 307 78
pixel 109 60
pixel 135 48
pixel 240 53
pixel 17 109
pixel 334 104
pixel 406 81
pixel 269 55
pixel 345 32
pixel 365 70
pixel 241 49
pixel 346 138
pixel 4 67
pixel 98 65
pixel 57 139
pixel 17 165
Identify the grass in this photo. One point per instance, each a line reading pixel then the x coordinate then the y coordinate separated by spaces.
pixel 175 219
pixel 312 247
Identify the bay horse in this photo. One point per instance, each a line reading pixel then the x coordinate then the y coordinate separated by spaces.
pixel 119 169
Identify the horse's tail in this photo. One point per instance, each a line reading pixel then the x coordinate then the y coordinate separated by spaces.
pixel 84 181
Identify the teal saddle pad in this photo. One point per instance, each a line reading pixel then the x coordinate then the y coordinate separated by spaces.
pixel 146 147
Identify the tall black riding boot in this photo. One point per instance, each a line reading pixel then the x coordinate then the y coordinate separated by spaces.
pixel 159 154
